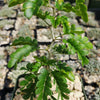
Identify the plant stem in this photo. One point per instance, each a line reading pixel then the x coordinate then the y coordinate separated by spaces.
pixel 52 28
pixel 46 22
pixel 16 85
pixel 52 32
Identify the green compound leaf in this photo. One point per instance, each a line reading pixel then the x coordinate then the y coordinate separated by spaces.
pixel 77 30
pixel 42 15
pixel 58 4
pixel 24 82
pixel 18 54
pixel 28 86
pixel 55 22
pixel 62 49
pixel 33 67
pixel 45 61
pixel 67 71
pixel 25 41
pixel 81 10
pixel 63 66
pixel 29 77
pixel 61 84
pixel 69 75
pixel 64 6
pixel 67 7
pixel 60 20
pixel 79 45
pixel 65 24
pixel 29 46
pixel 15 2
pixel 43 85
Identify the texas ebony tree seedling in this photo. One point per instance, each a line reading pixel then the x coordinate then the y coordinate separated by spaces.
pixel 37 81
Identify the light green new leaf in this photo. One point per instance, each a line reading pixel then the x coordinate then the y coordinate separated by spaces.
pixel 28 7
pixel 60 2
pixel 52 19
pixel 55 21
pixel 28 13
pixel 65 24
pixel 83 10
pixel 69 75
pixel 77 30
pixel 31 7
pixel 67 7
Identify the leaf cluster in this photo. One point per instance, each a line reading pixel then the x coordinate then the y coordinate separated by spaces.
pixel 37 81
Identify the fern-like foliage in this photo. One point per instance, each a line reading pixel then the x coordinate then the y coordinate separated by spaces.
pixel 33 67
pixel 18 54
pixel 28 86
pixel 80 8
pixel 61 48
pixel 80 45
pixel 29 46
pixel 43 85
pixel 63 20
pixel 24 41
pixel 66 70
pixel 37 80
pixel 61 84
pixel 75 44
